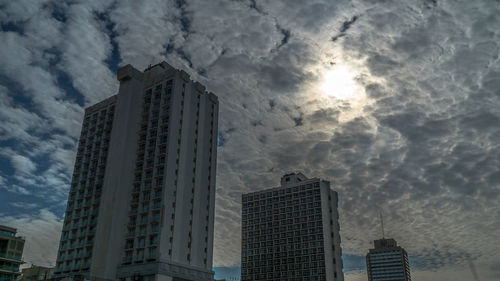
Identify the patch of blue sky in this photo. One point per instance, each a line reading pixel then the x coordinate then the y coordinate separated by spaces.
pixel 227 272
pixel 353 262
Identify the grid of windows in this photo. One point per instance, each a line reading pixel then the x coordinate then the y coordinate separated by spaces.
pixel 11 250
pixel 80 221
pixel 282 234
pixel 141 242
pixel 388 265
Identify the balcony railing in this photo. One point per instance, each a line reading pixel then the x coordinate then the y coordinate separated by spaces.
pixel 12 257
pixel 10 268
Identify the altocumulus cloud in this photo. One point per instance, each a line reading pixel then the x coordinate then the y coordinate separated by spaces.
pixel 422 148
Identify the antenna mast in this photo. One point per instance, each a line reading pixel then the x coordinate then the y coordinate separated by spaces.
pixel 382 224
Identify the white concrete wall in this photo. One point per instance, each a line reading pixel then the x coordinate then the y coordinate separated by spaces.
pixel 113 210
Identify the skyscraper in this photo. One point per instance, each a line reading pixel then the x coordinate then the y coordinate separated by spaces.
pixel 141 203
pixel 387 262
pixel 11 252
pixel 291 232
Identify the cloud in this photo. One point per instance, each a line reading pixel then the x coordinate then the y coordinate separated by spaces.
pixel 41 232
pixel 420 143
pixel 24 205
pixel 16 189
pixel 22 164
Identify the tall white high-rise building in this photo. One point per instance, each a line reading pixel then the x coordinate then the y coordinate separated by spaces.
pixel 141 203
pixel 291 232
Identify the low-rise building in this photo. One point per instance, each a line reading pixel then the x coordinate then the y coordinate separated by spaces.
pixel 37 273
pixel 11 252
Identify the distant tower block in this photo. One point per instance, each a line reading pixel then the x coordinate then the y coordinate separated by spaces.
pixel 387 262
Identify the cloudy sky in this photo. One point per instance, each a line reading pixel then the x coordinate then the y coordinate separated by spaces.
pixel 397 103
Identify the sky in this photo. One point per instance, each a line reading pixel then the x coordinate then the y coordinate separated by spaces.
pixel 396 103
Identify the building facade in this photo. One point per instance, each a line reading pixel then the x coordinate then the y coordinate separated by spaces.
pixel 141 203
pixel 11 252
pixel 291 232
pixel 387 262
pixel 37 273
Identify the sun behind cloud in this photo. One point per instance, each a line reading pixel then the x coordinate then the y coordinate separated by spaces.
pixel 339 87
pixel 340 83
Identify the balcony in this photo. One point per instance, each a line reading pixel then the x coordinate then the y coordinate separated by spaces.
pixel 152 256
pixel 11 257
pixel 86 265
pixel 68 268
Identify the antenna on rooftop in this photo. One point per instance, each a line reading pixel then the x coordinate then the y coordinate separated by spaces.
pixel 382 223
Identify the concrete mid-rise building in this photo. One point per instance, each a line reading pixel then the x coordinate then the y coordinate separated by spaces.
pixel 11 253
pixel 37 273
pixel 291 232
pixel 141 203
pixel 387 262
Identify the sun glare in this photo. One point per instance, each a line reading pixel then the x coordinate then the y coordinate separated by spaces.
pixel 340 87
pixel 340 83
